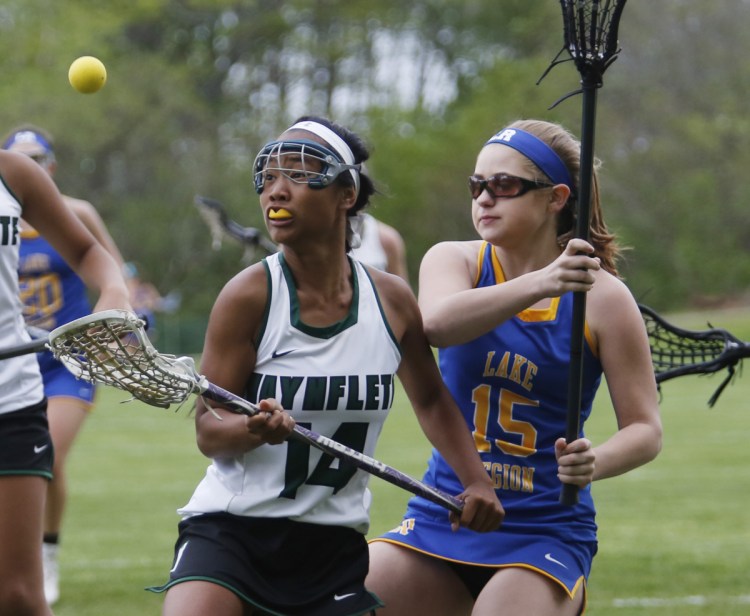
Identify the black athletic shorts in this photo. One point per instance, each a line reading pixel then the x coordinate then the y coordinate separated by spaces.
pixel 278 566
pixel 25 442
pixel 474 577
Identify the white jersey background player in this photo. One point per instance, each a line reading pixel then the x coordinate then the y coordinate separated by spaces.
pixel 381 246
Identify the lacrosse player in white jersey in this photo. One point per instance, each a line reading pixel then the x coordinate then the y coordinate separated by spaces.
pixel 314 337
pixel 26 449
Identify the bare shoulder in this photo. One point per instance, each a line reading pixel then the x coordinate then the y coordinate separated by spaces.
pixel 35 191
pixel 233 328
pixel 449 266
pixel 246 290
pixel 80 207
pixel 389 237
pixel 85 211
pixel 611 303
pixel 609 286
pixel 239 308
pixel 466 251
pixel 9 160
pixel 389 286
pixel 397 298
pixel 18 171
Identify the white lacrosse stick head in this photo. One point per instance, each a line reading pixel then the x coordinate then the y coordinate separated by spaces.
pixel 112 348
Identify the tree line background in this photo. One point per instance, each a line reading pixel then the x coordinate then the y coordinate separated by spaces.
pixel 195 87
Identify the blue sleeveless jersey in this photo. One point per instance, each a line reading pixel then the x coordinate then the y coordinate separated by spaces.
pixel 511 385
pixel 52 293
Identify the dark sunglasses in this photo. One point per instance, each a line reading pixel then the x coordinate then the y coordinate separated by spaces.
pixel 503 186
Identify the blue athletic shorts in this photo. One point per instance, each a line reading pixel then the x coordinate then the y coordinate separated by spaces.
pixel 566 563
pixel 60 382
pixel 25 442
pixel 282 567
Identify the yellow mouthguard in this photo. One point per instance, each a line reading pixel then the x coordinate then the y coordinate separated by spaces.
pixel 278 214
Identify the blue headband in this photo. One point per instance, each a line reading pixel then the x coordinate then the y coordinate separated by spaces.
pixel 537 152
pixel 27 136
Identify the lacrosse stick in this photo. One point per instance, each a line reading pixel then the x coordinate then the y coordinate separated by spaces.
pixel 590 38
pixel 37 344
pixel 677 352
pixel 112 348
pixel 39 341
pixel 216 218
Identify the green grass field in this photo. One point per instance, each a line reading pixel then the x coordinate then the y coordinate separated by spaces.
pixel 674 535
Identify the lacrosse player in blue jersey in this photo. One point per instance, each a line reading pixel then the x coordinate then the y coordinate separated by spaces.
pixel 500 309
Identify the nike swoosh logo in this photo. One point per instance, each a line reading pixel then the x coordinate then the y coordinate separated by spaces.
pixel 178 558
pixel 340 597
pixel 277 354
pixel 548 556
pixel 40 448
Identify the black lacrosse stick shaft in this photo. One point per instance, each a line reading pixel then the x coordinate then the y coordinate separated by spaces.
pixel 569 494
pixel 590 31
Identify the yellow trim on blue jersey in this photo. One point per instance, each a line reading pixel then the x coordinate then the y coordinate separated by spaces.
pixel 531 315
pixel 590 339
pixel 29 234
pixel 480 259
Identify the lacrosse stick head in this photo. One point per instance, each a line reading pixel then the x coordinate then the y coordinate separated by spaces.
pixel 112 348
pixel 213 214
pixel 590 30
pixel 678 352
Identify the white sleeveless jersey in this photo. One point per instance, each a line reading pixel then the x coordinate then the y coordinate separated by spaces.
pixel 337 381
pixel 371 251
pixel 20 381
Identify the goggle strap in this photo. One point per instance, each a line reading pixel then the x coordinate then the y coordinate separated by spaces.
pixel 337 143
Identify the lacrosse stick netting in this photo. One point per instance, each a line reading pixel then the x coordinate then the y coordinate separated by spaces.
pixel 113 349
pixel 678 352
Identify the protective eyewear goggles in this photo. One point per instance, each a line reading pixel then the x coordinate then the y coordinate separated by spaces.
pixel 503 186
pixel 301 161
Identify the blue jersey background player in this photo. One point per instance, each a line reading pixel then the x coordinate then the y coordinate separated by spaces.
pixel 52 294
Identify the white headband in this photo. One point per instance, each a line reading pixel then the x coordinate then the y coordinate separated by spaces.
pixel 337 143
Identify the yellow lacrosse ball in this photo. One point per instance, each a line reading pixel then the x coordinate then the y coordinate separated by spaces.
pixel 87 74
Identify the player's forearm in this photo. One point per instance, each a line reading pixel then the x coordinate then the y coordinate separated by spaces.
pixel 223 438
pixel 100 272
pixel 448 433
pixel 468 314
pixel 629 448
